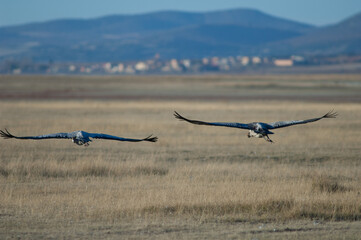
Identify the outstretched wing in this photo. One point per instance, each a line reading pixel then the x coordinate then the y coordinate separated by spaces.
pixel 222 124
pixel 111 137
pixel 6 134
pixel 281 124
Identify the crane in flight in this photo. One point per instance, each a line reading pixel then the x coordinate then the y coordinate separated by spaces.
pixel 257 129
pixel 77 137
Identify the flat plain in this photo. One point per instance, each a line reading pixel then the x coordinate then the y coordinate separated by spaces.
pixel 196 182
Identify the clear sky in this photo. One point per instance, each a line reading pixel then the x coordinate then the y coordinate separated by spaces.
pixel 317 12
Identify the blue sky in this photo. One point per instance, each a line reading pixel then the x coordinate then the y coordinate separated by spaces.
pixel 317 12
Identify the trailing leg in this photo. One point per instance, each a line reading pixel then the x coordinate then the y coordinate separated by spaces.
pixel 268 139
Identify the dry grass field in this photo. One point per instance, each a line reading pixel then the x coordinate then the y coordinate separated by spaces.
pixel 196 182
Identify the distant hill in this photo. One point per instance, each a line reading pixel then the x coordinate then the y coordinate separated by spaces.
pixel 340 38
pixel 175 34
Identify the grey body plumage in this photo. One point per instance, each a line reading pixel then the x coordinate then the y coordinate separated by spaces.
pixel 256 129
pixel 78 137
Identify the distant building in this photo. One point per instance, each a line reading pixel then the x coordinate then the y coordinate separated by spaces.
pixel 283 62
pixel 231 61
pixel 114 69
pixel 120 67
pixel 245 61
pixel 186 63
pixel 107 66
pixel 256 60
pixel 141 66
pixel 166 68
pixel 215 61
pixel 174 64
pixel 298 58
pixel 72 68
pixel 223 64
pixel 17 71
pixel 265 60
pixel 129 70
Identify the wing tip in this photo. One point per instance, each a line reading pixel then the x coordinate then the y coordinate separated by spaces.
pixel 330 114
pixel 6 134
pixel 150 138
pixel 178 116
pixel 181 118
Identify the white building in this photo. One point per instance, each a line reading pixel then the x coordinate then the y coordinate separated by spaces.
pixel 245 61
pixel 283 62
pixel 174 65
pixel 256 60
pixel 141 66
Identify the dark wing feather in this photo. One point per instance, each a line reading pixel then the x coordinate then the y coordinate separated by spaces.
pixel 6 134
pixel 221 124
pixel 281 124
pixel 111 137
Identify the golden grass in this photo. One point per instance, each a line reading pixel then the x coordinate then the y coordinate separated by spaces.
pixel 194 172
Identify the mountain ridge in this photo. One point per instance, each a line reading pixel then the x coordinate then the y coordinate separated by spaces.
pixel 173 34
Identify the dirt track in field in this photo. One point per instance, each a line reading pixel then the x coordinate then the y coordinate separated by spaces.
pixel 309 88
pixel 58 95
